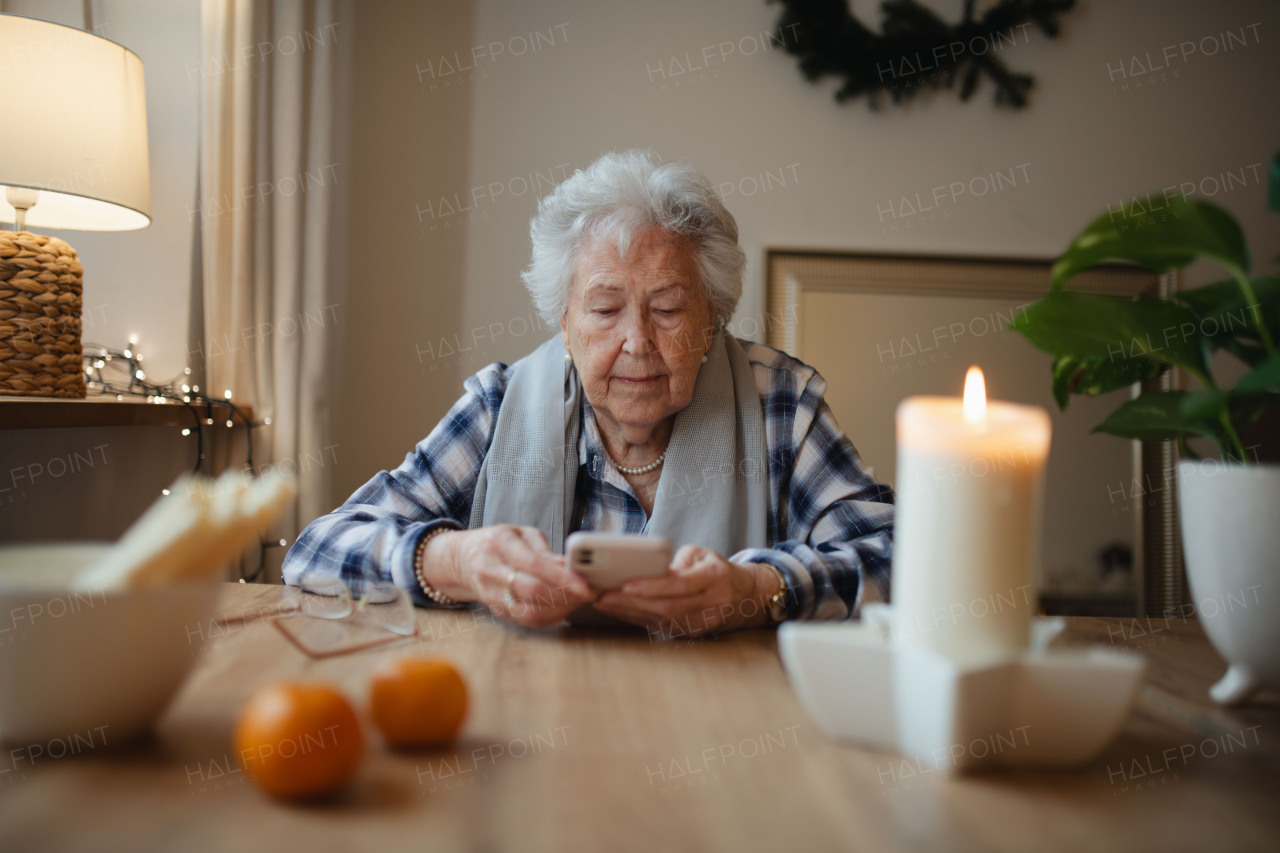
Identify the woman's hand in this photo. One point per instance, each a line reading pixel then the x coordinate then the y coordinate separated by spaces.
pixel 704 593
pixel 511 570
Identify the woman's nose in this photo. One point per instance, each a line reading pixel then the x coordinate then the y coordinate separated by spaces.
pixel 637 334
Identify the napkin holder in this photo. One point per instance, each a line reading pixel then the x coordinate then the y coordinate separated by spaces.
pixel 1045 707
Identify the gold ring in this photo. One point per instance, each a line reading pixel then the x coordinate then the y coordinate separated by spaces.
pixel 508 595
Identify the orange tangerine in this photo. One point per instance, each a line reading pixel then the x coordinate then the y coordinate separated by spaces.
pixel 299 740
pixel 418 702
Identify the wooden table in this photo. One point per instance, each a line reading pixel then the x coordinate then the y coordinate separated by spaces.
pixel 580 741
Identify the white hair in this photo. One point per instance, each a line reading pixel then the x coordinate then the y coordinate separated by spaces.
pixel 618 197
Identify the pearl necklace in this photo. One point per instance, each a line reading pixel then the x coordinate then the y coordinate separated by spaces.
pixel 641 469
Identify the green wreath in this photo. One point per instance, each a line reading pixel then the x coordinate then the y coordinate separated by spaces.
pixel 915 50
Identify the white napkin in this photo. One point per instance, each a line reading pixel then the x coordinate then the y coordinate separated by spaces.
pixel 191 533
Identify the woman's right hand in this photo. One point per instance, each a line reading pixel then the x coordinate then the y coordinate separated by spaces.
pixel 510 569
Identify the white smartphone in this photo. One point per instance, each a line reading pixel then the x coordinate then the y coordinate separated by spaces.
pixel 608 560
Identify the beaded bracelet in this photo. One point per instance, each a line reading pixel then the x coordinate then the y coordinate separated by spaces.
pixel 418 568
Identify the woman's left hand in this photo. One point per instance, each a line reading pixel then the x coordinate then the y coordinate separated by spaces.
pixel 704 593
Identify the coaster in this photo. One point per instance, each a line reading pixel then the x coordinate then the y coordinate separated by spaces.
pixel 1046 707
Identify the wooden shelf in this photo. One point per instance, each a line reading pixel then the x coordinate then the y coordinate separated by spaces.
pixel 105 411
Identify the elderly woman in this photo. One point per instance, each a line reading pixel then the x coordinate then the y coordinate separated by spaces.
pixel 642 416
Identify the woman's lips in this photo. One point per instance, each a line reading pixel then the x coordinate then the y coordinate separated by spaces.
pixel 637 380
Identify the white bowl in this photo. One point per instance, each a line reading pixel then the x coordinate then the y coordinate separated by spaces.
pixel 89 667
pixel 1044 708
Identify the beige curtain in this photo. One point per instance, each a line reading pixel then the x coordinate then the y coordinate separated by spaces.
pixel 268 189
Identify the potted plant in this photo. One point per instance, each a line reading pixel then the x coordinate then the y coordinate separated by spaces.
pixel 1229 508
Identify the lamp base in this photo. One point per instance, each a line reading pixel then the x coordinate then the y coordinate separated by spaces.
pixel 41 294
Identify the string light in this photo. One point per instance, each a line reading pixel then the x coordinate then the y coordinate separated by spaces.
pixel 119 372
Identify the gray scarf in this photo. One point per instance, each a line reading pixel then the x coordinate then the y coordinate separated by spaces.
pixel 714 488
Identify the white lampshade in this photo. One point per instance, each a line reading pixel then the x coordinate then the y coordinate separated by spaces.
pixel 74 127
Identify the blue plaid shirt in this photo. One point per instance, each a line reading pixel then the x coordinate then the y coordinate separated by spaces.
pixel 830 523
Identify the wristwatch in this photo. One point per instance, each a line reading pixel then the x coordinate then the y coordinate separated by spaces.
pixel 777 603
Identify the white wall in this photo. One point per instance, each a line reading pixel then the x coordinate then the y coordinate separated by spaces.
pixel 1080 145
pixel 601 78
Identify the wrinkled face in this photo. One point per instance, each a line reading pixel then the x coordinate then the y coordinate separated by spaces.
pixel 637 328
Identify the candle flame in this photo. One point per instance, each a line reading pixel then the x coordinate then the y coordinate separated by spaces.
pixel 975 396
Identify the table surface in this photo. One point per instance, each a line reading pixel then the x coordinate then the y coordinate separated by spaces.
pixel 590 741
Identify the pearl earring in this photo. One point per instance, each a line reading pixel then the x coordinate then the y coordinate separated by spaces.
pixel 704 359
pixel 568 358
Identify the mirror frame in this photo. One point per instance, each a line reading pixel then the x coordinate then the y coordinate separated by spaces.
pixel 1160 584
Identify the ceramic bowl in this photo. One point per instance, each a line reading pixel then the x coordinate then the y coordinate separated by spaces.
pixel 89 667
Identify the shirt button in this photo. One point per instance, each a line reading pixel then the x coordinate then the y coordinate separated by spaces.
pixel 593 464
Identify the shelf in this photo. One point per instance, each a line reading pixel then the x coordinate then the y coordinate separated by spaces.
pixel 106 411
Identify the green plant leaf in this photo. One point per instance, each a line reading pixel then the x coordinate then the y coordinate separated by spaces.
pixel 1263 378
pixel 1226 320
pixel 1120 337
pixel 1090 377
pixel 1273 183
pixel 1065 370
pixel 1159 233
pixel 1165 415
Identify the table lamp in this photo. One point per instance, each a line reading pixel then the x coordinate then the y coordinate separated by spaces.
pixel 73 155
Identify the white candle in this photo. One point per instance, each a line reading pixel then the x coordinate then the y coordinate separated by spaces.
pixel 967 533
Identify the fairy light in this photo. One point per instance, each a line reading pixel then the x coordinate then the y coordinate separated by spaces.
pixel 119 373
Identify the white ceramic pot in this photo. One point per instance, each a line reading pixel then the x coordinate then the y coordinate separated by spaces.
pixel 1230 516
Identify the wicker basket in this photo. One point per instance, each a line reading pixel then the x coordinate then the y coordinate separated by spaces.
pixel 41 282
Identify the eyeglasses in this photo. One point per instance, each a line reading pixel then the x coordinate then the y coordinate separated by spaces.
pixel 350 614
pixel 373 603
